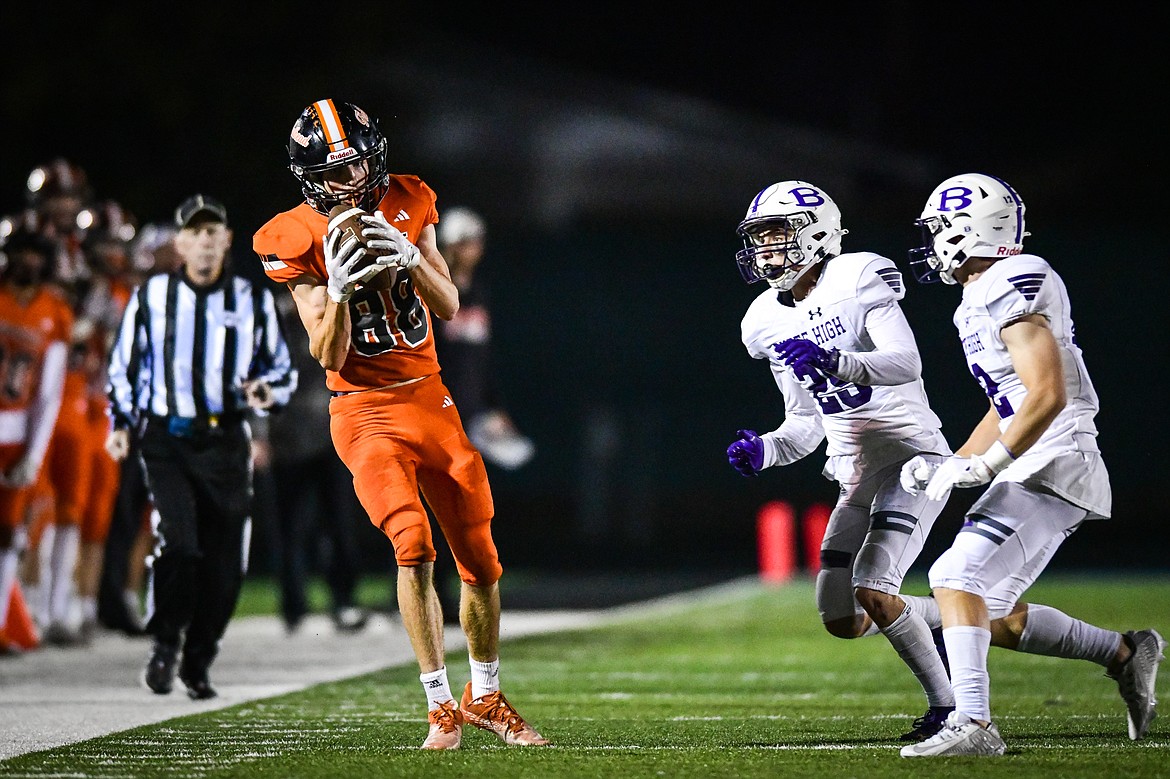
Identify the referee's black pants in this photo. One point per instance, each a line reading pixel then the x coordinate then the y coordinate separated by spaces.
pixel 201 486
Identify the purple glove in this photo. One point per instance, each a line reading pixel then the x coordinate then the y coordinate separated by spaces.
pixel 801 353
pixel 746 455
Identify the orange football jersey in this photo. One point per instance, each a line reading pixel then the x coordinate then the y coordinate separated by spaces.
pixel 391 338
pixel 26 330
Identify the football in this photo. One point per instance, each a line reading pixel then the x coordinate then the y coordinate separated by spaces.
pixel 348 219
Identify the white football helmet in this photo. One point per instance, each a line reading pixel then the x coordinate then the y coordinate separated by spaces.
pixel 972 215
pixel 789 228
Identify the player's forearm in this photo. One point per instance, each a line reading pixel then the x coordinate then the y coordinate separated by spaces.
pixel 432 281
pixel 796 438
pixel 1038 411
pixel 329 341
pixel 895 358
pixel 886 368
pixel 47 402
pixel 983 436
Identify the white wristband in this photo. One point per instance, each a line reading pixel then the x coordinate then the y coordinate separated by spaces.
pixel 997 457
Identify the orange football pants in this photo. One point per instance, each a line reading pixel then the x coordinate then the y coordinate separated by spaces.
pixel 13 502
pixel 69 459
pixel 398 441
pixel 98 508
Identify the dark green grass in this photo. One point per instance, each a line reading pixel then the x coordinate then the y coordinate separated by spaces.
pixel 741 684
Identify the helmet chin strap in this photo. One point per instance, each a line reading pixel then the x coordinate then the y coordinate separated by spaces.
pixel 800 275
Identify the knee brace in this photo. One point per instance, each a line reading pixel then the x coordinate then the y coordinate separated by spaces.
pixel 835 588
pixel 955 571
pixel 848 525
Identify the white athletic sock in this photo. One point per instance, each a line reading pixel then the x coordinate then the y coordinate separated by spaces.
pixel 967 648
pixel 436 687
pixel 911 639
pixel 9 563
pixel 485 677
pixel 89 609
pixel 38 594
pixel 926 607
pixel 62 566
pixel 1051 632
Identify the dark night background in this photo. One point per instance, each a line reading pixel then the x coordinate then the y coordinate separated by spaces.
pixel 613 153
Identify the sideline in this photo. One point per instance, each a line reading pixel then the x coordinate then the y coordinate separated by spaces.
pixel 52 697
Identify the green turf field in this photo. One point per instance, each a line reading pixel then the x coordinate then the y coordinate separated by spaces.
pixel 741 684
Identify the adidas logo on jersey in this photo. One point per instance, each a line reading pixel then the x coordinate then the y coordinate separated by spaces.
pixel 447 401
pixel 402 216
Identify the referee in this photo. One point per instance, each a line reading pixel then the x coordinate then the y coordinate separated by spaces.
pixel 198 349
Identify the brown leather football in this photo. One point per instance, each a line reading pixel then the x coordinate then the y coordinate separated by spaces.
pixel 348 219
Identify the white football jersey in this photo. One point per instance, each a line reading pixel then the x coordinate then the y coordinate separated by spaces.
pixel 855 418
pixel 1066 459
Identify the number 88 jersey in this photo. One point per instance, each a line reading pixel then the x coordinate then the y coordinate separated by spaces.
pixel 391 335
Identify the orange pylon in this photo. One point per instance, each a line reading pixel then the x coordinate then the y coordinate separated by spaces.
pixel 19 631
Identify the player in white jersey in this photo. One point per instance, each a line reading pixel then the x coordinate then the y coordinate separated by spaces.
pixel 845 360
pixel 1036 446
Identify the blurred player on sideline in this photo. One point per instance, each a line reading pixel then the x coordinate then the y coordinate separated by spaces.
pixel 109 230
pixel 1037 449
pixel 58 193
pixel 394 423
pixel 465 346
pixel 35 323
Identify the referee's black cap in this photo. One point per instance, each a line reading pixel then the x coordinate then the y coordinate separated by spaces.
pixel 211 209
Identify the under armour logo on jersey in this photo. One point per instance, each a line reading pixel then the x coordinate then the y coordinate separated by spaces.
pixel 816 312
pixel 447 401
pixel 402 216
pixel 892 278
pixel 1028 284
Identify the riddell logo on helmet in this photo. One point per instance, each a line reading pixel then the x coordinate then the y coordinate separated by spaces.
pixel 341 154
pixel 1004 252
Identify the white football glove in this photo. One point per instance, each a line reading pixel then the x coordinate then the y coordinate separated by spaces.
pixel 916 473
pixel 968 471
pixel 384 236
pixel 118 444
pixel 341 263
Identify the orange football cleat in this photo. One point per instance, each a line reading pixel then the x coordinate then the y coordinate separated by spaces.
pixel 493 712
pixel 446 727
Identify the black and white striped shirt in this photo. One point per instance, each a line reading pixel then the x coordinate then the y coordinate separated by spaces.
pixel 187 351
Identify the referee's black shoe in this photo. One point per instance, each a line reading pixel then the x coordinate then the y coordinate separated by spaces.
pixel 160 669
pixel 198 685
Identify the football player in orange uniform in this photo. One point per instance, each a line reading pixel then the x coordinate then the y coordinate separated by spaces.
pixel 59 194
pixel 35 323
pixel 109 231
pixel 392 420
